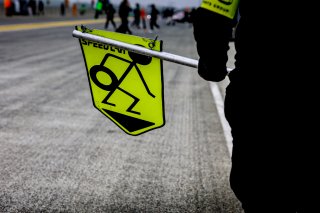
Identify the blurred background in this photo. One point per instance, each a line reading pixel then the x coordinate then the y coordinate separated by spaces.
pixel 51 7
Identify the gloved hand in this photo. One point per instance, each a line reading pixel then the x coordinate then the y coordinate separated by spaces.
pixel 210 73
pixel 212 32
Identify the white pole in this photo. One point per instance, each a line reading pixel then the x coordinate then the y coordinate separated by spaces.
pixel 141 50
pixel 138 49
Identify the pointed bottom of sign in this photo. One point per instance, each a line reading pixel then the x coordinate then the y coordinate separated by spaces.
pixel 130 123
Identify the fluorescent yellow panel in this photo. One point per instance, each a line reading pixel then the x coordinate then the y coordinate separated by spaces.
pixel 126 87
pixel 226 8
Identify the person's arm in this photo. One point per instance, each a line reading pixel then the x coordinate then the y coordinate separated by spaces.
pixel 212 33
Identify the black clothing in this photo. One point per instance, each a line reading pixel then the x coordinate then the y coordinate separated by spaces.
pixel 154 17
pixel 273 169
pixel 136 13
pixel 212 44
pixel 41 7
pixel 32 5
pixel 124 11
pixel 62 9
pixel 110 11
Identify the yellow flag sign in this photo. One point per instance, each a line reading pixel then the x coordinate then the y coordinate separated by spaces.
pixel 226 8
pixel 125 86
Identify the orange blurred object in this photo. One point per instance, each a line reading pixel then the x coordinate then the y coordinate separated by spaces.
pixel 74 10
pixel 7 3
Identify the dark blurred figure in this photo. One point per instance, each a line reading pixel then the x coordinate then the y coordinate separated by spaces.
pixel 110 11
pixel 23 7
pixel 74 9
pixel 66 4
pixel 92 4
pixel 41 7
pixel 167 15
pixel 82 9
pixel 154 17
pixel 186 15
pixel 124 11
pixel 32 5
pixel 9 7
pixel 62 9
pixel 192 15
pixel 136 14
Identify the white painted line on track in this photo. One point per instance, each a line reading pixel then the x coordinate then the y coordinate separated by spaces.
pixel 220 107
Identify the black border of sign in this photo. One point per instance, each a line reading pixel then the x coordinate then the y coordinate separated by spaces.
pixel 162 83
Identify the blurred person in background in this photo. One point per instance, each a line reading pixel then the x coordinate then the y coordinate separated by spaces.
pixel 62 9
pixel 41 7
pixel 32 5
pixel 143 16
pixel 92 4
pixel 66 4
pixel 83 9
pixel 110 11
pixel 154 18
pixel 9 7
pixel 167 15
pixel 74 9
pixel 124 11
pixel 98 9
pixel 136 15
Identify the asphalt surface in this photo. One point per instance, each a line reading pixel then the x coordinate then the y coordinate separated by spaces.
pixel 59 154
